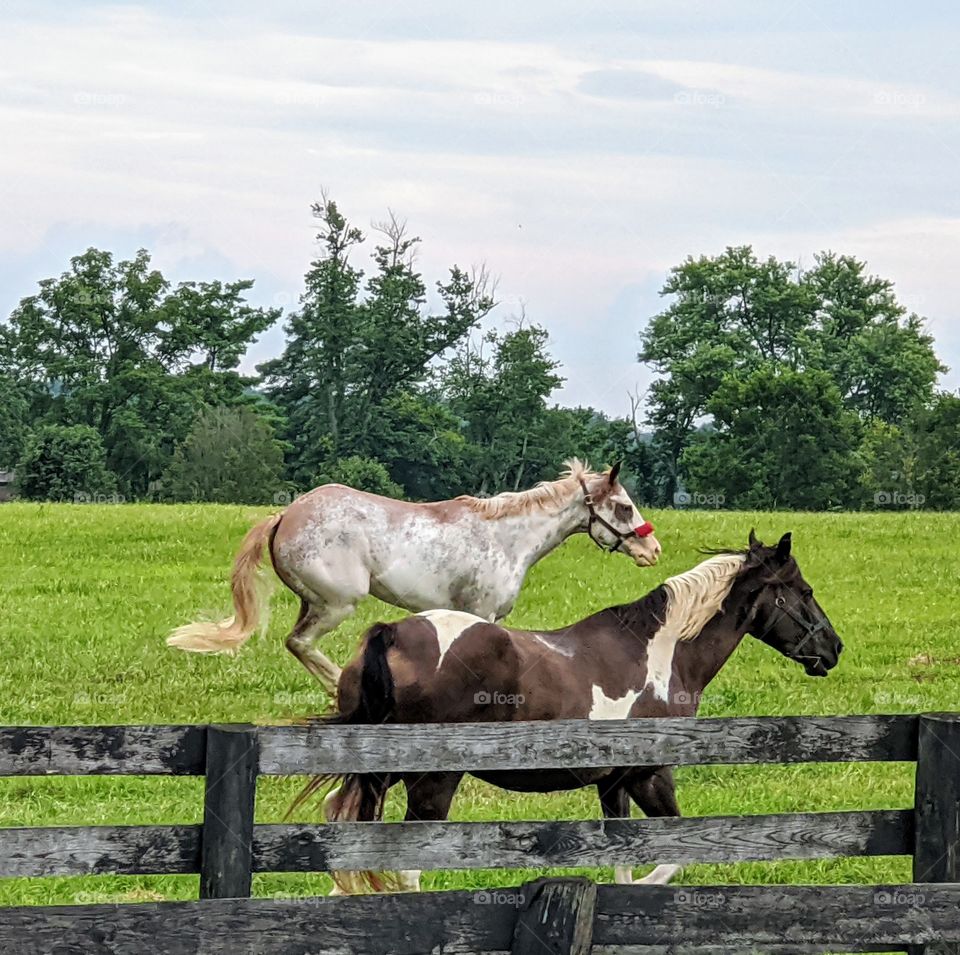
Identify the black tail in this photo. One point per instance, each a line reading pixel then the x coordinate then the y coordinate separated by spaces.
pixel 376 681
pixel 358 797
pixel 361 795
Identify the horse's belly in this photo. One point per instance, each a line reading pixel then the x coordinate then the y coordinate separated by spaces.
pixel 424 584
pixel 543 780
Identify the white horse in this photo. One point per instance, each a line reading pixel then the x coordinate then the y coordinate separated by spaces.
pixel 334 545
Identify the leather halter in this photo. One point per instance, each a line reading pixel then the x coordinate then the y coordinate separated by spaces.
pixel 812 628
pixel 644 530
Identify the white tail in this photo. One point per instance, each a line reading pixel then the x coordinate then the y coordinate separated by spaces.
pixel 247 585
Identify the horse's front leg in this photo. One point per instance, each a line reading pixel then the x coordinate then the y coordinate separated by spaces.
pixel 656 794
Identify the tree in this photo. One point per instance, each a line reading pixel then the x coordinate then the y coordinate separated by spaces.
pixel 14 412
pixel 65 463
pixel 499 388
pixel 110 345
pixel 364 474
pixel 348 355
pixel 733 314
pixel 782 439
pixel 230 456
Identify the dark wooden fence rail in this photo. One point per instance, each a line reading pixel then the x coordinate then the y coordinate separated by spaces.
pixel 568 915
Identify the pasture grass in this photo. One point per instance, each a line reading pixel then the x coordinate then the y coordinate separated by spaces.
pixel 89 593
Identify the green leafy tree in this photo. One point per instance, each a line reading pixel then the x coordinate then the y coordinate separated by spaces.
pixel 364 474
pixel 352 347
pixel 111 345
pixel 782 439
pixel 65 463
pixel 733 314
pixel 230 456
pixel 500 388
pixel 14 412
pixel 937 428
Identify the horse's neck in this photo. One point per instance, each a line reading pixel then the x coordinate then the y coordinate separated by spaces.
pixel 699 660
pixel 530 536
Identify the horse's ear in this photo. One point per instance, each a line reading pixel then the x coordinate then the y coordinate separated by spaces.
pixel 614 472
pixel 752 539
pixel 783 548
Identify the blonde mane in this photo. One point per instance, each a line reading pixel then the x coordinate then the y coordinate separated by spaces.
pixel 696 596
pixel 548 496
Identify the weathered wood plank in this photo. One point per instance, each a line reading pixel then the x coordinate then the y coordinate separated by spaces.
pixel 455 923
pixel 100 850
pixel 826 948
pixel 101 750
pixel 937 806
pixel 143 850
pixel 226 849
pixel 292 750
pixel 556 918
pixel 629 917
pixel 488 845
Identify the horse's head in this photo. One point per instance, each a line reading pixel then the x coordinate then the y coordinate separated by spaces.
pixel 785 614
pixel 613 521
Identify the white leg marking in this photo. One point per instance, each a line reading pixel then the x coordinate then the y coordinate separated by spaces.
pixel 661 875
pixel 623 875
pixel 607 708
pixel 449 624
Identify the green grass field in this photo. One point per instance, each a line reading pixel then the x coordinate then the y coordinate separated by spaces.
pixel 89 593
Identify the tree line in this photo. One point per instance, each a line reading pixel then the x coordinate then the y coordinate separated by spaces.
pixel 775 387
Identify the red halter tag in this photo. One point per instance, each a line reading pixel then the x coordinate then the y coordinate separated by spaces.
pixel 644 530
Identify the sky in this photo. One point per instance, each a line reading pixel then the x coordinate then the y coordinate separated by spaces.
pixel 579 151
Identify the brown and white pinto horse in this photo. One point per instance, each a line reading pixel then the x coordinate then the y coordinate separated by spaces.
pixel 335 545
pixel 649 658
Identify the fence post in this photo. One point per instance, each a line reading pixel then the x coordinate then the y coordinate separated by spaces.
pixel 556 918
pixel 226 853
pixel 936 856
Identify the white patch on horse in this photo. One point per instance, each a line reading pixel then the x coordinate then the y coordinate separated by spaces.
pixel 449 625
pixel 660 651
pixel 550 645
pixel 694 598
pixel 605 707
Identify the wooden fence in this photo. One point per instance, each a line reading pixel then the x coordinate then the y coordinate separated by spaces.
pixel 556 915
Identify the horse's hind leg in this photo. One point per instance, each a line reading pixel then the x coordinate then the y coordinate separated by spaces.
pixel 655 793
pixel 616 805
pixel 429 796
pixel 314 621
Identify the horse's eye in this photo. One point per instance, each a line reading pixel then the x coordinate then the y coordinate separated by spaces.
pixel 623 511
